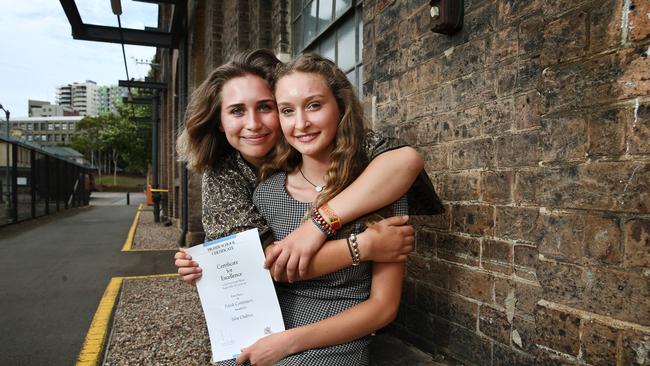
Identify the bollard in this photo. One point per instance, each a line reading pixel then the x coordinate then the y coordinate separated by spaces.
pixel 128 198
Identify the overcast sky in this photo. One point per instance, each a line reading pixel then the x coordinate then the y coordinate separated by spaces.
pixel 37 52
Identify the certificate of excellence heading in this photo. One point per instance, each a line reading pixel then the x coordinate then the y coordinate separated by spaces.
pixel 236 292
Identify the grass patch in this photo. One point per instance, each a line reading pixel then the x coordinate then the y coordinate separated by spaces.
pixel 122 180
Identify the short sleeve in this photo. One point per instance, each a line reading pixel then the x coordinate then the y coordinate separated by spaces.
pixel 228 206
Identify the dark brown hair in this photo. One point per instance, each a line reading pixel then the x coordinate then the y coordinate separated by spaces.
pixel 201 143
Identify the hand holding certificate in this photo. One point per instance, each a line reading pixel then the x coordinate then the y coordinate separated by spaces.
pixel 237 293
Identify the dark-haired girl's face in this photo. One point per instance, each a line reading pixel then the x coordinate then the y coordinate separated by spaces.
pixel 309 114
pixel 249 117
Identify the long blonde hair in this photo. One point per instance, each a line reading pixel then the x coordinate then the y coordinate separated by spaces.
pixel 201 143
pixel 348 159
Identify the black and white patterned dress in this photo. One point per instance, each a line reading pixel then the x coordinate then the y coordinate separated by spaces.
pixel 313 300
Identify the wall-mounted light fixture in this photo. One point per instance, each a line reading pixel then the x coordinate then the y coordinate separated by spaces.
pixel 446 16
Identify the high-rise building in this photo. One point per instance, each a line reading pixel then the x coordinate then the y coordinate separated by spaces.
pixel 82 97
pixel 110 97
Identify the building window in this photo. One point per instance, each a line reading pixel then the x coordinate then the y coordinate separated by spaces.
pixel 30 138
pixel 43 137
pixel 50 127
pixel 332 28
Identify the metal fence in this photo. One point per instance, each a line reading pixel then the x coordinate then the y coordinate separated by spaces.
pixel 34 183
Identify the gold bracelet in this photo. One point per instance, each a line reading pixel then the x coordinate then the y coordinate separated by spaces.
pixel 353 246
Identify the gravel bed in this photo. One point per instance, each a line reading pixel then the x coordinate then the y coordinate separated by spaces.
pixel 154 236
pixel 158 321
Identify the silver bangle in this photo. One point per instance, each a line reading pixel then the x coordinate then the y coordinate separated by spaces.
pixel 353 246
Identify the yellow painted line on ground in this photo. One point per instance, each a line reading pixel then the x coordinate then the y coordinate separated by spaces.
pixel 96 336
pixel 129 238
pixel 98 331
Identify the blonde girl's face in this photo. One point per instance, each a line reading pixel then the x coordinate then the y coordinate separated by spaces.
pixel 309 114
pixel 249 117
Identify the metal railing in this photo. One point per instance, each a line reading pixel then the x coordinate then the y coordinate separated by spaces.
pixel 34 182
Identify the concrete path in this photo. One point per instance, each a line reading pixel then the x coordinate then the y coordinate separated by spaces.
pixel 53 272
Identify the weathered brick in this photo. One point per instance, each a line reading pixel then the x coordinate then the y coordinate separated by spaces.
pixel 409 132
pixel 531 38
pixel 527 296
pixel 470 283
pixel 459 186
pixel 497 256
pixel 459 249
pixel 409 288
pixel 496 186
pixel 639 129
pixel 391 113
pixel 607 133
pixel 564 138
pixel 527 107
pixel 469 124
pixel 605 26
pixel 602 239
pixel 428 74
pixel 562 283
pixel 506 356
pixel 510 10
pixel 565 38
pixel 529 74
pixel 611 186
pixel 638 21
pixel 442 98
pixel 388 66
pixel 635 348
pixel 503 44
pixel 479 22
pixel 425 242
pixel 498 116
pixel 387 91
pixel 561 236
pixel 429 271
pixel 472 89
pixel 621 295
pixel 600 79
pixel 525 256
pixel 463 60
pixel 555 8
pixel 637 243
pixel 516 223
pixel 458 310
pixel 494 324
pixel 558 330
pixel 435 158
pixel 473 219
pixel 438 128
pixel 473 154
pixel 470 346
pixel 506 72
pixel 599 343
pixel 521 149
pixel 425 298
pixel 386 43
pixel 524 334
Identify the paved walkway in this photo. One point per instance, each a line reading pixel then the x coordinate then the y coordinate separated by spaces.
pixel 53 272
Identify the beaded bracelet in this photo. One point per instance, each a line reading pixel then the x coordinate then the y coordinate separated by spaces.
pixel 353 246
pixel 321 223
pixel 334 219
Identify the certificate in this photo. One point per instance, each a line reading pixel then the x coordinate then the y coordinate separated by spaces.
pixel 236 292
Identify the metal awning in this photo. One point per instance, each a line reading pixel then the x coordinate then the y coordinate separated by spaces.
pixel 146 37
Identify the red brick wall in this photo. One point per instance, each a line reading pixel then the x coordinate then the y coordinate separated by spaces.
pixel 534 121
